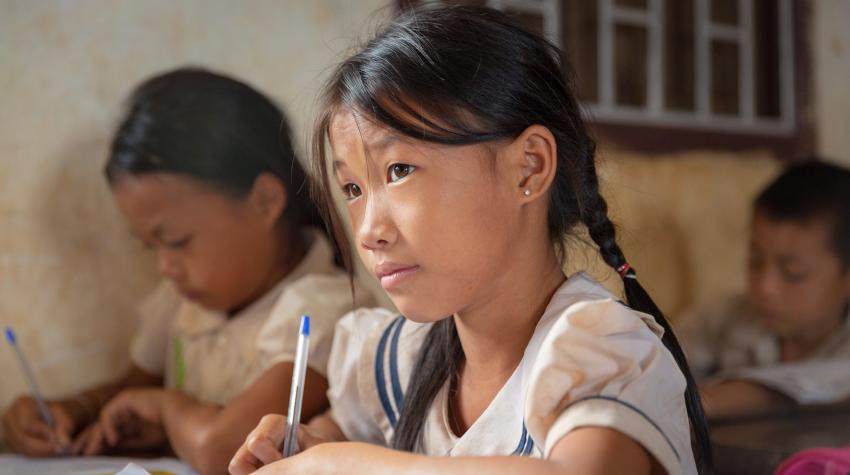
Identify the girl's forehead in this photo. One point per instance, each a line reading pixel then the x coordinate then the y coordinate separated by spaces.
pixel 349 127
pixel 355 137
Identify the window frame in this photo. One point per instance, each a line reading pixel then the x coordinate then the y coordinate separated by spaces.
pixel 654 129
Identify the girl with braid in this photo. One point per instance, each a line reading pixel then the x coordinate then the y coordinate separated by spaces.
pixel 459 147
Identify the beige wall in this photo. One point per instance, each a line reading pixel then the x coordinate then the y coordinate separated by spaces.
pixel 830 44
pixel 682 221
pixel 69 272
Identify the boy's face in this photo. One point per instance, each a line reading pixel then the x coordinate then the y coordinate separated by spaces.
pixel 797 281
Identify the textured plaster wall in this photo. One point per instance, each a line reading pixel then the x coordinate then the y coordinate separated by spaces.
pixel 70 274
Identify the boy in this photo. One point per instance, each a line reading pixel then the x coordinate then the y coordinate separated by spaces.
pixel 788 340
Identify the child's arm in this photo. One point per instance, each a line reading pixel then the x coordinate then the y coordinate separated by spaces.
pixel 206 435
pixel 588 451
pixel 28 434
pixel 738 398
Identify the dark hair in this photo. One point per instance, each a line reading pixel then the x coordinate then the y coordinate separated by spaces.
pixel 486 78
pixel 808 191
pixel 213 129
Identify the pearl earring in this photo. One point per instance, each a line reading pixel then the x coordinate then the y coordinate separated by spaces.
pixel 527 192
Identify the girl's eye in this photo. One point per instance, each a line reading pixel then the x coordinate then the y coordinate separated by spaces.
pixel 794 277
pixel 180 243
pixel 351 191
pixel 398 171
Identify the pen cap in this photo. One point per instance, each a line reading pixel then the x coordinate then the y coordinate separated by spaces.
pixel 305 325
pixel 10 335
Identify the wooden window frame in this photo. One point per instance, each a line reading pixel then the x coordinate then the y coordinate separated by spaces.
pixel 654 130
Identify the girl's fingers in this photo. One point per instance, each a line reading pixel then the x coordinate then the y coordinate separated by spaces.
pixel 306 439
pixel 244 462
pixel 110 419
pixel 27 444
pixel 264 449
pixel 94 442
pixel 261 447
pixel 79 441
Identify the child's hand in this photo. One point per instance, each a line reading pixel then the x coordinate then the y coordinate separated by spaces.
pixel 89 441
pixel 131 420
pixel 263 445
pixel 27 433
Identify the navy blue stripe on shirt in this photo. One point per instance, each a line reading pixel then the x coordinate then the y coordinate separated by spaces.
pixel 522 440
pixel 394 379
pixel 634 408
pixel 380 380
pixel 528 446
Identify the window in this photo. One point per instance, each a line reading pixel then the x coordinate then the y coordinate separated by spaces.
pixel 719 68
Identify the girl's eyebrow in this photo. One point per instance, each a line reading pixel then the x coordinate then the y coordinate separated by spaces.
pixel 384 142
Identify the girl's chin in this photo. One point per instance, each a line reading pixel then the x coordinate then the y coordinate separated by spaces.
pixel 417 314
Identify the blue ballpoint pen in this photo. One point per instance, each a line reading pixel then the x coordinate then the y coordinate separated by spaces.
pixel 36 393
pixel 296 391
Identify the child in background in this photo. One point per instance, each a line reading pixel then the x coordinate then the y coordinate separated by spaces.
pixel 203 170
pixel 462 154
pixel 788 340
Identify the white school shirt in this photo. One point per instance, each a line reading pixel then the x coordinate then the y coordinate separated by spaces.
pixel 592 361
pixel 213 358
pixel 729 341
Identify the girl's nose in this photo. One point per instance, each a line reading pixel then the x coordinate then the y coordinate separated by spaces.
pixel 377 231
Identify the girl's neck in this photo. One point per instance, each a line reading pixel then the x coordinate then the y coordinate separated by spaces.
pixel 289 254
pixel 495 333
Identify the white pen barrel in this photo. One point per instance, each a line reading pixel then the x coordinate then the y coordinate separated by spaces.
pixel 296 394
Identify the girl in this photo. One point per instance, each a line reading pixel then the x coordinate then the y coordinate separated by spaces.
pixel 204 176
pixel 461 152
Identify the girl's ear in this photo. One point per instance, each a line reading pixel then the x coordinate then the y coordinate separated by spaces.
pixel 534 155
pixel 268 198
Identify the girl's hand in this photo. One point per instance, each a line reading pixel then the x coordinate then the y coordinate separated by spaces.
pixel 264 444
pixel 89 441
pixel 131 420
pixel 28 434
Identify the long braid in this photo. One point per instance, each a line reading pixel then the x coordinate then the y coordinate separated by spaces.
pixel 440 360
pixel 594 213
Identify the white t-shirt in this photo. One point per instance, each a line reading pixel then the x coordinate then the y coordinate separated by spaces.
pixel 729 341
pixel 592 361
pixel 213 358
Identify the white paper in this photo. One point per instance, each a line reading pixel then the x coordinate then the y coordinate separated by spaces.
pixel 133 469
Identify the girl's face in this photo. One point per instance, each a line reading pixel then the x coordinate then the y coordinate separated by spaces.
pixel 428 220
pixel 797 281
pixel 219 251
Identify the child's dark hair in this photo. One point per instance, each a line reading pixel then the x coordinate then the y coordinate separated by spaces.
pixel 485 78
pixel 213 129
pixel 809 191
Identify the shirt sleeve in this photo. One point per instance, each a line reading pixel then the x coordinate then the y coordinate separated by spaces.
pixel 325 298
pixel 602 365
pixel 149 346
pixel 350 389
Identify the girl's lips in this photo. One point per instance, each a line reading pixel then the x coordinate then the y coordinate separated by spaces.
pixel 394 275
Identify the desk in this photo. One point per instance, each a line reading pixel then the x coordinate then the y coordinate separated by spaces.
pixel 17 465
pixel 757 445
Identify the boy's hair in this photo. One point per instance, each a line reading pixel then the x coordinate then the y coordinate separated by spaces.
pixel 813 190
pixel 211 128
pixel 486 78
